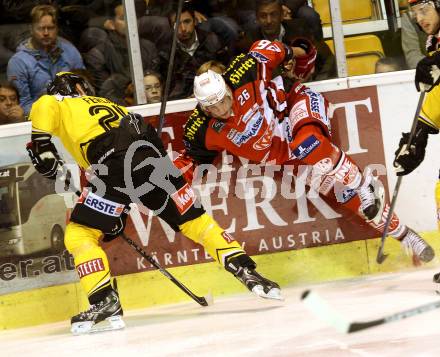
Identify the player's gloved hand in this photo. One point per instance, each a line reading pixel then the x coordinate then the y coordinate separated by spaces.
pixel 45 158
pixel 410 156
pixel 119 228
pixel 428 72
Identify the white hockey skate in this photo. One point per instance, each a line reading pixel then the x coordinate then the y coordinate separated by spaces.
pixel 412 242
pixel 106 315
pixel 372 196
pixel 243 268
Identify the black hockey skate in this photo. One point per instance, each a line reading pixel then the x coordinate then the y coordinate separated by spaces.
pixel 108 309
pixel 243 268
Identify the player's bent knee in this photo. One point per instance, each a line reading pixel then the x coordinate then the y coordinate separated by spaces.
pixel 197 229
pixel 312 146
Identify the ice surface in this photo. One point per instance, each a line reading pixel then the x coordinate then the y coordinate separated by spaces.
pixel 245 325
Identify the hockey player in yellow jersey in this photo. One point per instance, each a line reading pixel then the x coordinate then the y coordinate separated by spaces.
pixel 137 169
pixel 409 157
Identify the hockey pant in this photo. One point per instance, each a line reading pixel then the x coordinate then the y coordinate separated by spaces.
pixel 336 175
pixel 157 184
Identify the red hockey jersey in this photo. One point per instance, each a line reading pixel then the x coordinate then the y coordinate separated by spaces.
pixel 260 128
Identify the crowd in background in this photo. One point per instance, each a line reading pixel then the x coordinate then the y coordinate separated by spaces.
pixel 40 38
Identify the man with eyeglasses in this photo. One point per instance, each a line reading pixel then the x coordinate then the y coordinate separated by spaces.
pixel 41 56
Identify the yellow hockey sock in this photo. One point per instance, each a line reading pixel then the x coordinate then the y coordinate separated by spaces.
pixel 90 259
pixel 218 243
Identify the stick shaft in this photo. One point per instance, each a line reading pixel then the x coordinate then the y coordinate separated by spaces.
pixel 359 326
pixel 199 299
pixel 380 256
pixel 170 69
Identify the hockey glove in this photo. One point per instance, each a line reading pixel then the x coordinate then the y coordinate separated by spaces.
pixel 45 158
pixel 119 227
pixel 428 72
pixel 410 156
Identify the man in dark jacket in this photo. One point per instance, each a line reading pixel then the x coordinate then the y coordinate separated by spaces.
pixel 194 47
pixel 112 56
pixel 272 27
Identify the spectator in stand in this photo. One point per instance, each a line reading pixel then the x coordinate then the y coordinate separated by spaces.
pixel 152 18
pixel 291 9
pixel 389 64
pixel 154 24
pixel 153 87
pixel 40 57
pixel 120 89
pixel 299 9
pixel 413 41
pixel 194 47
pixel 271 26
pixel 217 16
pixel 14 28
pixel 109 60
pixel 10 110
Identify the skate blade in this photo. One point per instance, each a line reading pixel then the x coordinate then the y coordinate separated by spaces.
pixel 109 324
pixel 273 294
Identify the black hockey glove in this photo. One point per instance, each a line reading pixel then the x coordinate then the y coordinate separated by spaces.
pixel 408 157
pixel 119 227
pixel 428 72
pixel 44 156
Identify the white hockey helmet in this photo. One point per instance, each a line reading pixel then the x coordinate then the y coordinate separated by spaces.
pixel 209 88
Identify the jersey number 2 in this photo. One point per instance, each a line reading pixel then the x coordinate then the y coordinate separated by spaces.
pixel 113 113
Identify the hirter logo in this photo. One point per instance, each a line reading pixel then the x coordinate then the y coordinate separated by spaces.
pixel 184 198
pixel 90 267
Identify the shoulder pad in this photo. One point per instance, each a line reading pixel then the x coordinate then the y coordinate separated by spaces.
pixel 196 125
pixel 241 70
pixel 194 136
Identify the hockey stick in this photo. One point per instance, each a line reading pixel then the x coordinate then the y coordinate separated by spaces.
pixel 170 69
pixel 321 309
pixel 203 301
pixel 380 258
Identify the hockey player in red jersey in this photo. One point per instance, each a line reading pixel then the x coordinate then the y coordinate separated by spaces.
pixel 248 113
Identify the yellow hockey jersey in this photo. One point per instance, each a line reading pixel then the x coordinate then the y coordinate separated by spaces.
pixel 430 112
pixel 75 120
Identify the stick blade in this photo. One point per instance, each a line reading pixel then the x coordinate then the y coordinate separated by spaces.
pixel 209 299
pixel 381 258
pixel 323 311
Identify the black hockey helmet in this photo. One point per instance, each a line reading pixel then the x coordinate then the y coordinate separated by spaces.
pixel 65 83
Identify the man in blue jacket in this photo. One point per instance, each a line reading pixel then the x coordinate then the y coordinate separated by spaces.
pixel 40 57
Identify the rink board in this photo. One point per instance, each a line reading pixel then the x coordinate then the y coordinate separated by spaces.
pixel 339 261
pixel 369 105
